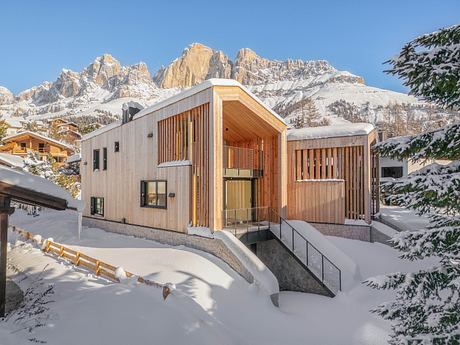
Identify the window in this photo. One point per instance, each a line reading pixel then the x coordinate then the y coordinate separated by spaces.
pixel 153 194
pixel 41 147
pixel 23 146
pixel 394 172
pixel 117 146
pixel 97 206
pixel 95 159
pixel 104 158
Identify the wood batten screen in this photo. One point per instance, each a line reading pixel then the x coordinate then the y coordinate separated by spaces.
pixel 186 137
pixel 173 134
pixel 341 163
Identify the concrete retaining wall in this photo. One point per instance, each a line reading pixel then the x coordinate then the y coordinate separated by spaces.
pixel 366 233
pixel 290 273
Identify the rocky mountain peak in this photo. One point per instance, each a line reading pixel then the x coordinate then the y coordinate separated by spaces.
pixel 6 96
pixel 102 69
pixel 196 64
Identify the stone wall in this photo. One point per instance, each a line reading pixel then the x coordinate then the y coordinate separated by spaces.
pixel 366 233
pixel 291 274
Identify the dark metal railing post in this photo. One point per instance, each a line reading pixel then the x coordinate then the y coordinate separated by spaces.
pixel 306 250
pixel 340 280
pixel 280 230
pixel 292 235
pixel 322 268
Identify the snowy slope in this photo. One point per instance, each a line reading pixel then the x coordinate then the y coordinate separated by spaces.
pixel 212 303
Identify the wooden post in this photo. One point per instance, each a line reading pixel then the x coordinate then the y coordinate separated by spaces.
pixel 5 211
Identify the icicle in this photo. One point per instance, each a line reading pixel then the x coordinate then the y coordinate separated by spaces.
pixel 79 223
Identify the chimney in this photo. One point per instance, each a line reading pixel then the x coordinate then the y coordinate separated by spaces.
pixel 129 110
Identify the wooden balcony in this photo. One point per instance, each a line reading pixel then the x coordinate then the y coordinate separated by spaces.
pixel 242 162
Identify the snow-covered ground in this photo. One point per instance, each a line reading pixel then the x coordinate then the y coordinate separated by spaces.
pixel 403 218
pixel 212 304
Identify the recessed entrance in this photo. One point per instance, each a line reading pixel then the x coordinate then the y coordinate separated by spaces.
pixel 239 198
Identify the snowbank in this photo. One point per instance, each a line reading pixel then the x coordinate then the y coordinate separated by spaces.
pixel 38 184
pixel 344 130
pixel 11 160
pixel 263 277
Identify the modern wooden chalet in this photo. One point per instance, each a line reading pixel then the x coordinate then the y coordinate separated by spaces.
pixel 332 173
pixel 185 160
pixel 214 156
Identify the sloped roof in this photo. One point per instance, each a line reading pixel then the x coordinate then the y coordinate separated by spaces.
pixel 181 95
pixel 11 160
pixel 39 136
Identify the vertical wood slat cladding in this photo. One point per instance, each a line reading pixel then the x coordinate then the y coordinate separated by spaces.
pixel 174 145
pixel 345 163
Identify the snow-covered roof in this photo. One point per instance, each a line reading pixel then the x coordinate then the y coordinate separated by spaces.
pixel 181 95
pixel 11 160
pixel 74 158
pixel 343 130
pixel 38 184
pixel 14 121
pixel 57 142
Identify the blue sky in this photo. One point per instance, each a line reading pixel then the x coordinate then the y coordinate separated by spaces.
pixel 39 38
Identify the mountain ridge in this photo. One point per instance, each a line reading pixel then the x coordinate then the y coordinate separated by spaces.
pixel 105 83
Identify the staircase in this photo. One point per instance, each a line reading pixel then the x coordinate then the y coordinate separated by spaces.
pixel 273 226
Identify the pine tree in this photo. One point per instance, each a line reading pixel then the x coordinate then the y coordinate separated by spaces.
pixel 3 129
pixel 427 305
pixel 307 114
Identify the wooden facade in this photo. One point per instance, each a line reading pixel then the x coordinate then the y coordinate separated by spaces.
pixel 332 177
pixel 182 141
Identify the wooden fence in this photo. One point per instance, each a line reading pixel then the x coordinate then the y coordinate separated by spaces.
pixel 77 258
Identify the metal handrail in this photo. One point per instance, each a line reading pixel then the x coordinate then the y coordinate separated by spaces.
pixel 307 242
pixel 245 224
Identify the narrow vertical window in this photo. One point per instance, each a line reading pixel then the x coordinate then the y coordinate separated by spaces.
pixel 104 158
pixel 95 159
pixel 117 146
pixel 97 206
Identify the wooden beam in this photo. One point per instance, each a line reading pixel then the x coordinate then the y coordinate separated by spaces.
pixel 5 211
pixel 31 197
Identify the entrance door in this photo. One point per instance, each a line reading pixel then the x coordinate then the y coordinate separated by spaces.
pixel 238 199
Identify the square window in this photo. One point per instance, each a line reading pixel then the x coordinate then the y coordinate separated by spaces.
pixel 153 194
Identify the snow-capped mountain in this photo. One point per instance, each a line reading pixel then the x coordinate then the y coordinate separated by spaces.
pixel 105 84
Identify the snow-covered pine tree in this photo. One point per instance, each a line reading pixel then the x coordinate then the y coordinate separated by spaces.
pixel 427 305
pixel 36 166
pixel 430 66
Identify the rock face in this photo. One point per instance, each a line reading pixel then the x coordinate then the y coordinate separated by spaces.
pixel 196 64
pixel 6 96
pixel 283 85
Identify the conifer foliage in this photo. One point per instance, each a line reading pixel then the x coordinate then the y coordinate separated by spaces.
pixel 427 305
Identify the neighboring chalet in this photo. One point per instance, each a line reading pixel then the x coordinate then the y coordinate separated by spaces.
pixel 20 143
pixel 14 125
pixel 67 129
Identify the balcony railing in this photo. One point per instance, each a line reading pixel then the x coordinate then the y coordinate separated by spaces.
pixel 244 222
pixel 241 158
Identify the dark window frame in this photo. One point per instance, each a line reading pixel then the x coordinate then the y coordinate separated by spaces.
pixel 104 158
pixel 96 159
pixel 116 147
pixel 143 194
pixel 23 145
pixel 93 201
pixel 41 147
pixel 397 172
